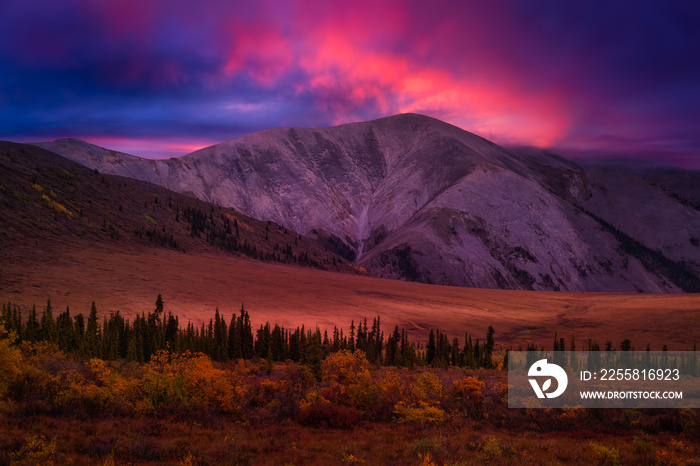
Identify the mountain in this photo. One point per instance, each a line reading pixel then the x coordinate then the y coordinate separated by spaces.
pixel 415 198
pixel 50 203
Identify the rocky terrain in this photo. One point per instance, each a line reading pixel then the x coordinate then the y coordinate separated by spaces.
pixel 414 198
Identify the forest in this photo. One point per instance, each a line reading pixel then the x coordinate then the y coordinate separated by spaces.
pixel 115 391
pixel 118 338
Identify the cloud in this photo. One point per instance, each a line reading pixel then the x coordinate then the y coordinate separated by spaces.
pixel 543 73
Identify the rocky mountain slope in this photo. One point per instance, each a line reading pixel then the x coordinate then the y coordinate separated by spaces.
pixel 414 198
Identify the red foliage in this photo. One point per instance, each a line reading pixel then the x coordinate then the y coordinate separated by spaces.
pixel 329 415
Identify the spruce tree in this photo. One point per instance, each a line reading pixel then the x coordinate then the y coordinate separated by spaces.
pixel 48 325
pixel 431 349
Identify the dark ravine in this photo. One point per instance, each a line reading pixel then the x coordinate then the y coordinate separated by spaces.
pixel 414 198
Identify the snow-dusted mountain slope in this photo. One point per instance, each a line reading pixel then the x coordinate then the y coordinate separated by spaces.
pixel 412 197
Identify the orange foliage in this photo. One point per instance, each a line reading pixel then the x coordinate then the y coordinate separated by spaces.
pixel 346 368
pixel 468 393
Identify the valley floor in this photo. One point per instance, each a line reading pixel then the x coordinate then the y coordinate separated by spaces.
pixel 193 285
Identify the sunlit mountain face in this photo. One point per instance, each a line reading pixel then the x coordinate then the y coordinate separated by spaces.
pixel 164 78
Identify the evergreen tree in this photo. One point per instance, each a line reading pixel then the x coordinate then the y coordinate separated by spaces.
pixel 32 329
pixel 431 348
pixel 92 334
pixel 160 305
pixel 48 326
pixel 235 350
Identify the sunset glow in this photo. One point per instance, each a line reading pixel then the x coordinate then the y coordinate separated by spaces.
pixel 163 78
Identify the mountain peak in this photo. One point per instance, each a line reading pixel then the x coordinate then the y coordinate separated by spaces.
pixel 411 197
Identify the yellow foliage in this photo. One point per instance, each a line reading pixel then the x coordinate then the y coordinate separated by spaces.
pixel 423 413
pixel 358 267
pixel 56 206
pixel 10 358
pixel 366 395
pixel 104 390
pixel 605 455
pixel 490 450
pixel 191 378
pixel 37 188
pixel 36 451
pixel 427 388
pixel 313 397
pixel 346 368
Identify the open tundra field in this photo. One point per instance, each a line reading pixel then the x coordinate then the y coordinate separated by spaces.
pixel 193 285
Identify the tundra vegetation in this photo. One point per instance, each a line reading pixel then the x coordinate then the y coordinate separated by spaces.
pixel 89 392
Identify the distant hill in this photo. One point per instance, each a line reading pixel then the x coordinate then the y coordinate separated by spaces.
pixel 414 198
pixel 47 199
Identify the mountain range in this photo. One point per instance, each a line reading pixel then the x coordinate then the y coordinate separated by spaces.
pixel 414 198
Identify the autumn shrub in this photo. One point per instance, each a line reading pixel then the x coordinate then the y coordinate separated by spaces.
pixel 35 384
pixel 429 446
pixel 345 368
pixel 427 388
pixel 490 450
pixel 329 415
pixel 366 396
pixel 37 450
pixel 101 388
pixel 468 395
pixel 605 455
pixel 190 380
pixel 421 413
pixel 10 362
pixel 294 383
pixel 667 458
pixel 421 403
pixel 643 445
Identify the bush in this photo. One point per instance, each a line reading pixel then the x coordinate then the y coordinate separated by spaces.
pixel 605 455
pixel 329 415
pixel 643 445
pixel 427 388
pixel 10 358
pixel 422 414
pixel 36 451
pixel 295 382
pixel 468 394
pixel 346 368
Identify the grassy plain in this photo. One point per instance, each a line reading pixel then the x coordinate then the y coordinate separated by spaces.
pixel 76 273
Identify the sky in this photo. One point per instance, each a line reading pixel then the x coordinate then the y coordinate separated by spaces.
pixel 161 78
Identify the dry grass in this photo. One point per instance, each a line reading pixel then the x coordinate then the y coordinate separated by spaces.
pixel 194 284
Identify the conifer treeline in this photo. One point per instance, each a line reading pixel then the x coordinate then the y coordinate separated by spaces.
pixel 223 231
pixel 120 338
pixel 653 260
pixel 225 235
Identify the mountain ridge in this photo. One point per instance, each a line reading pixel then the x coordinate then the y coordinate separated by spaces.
pixel 415 198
